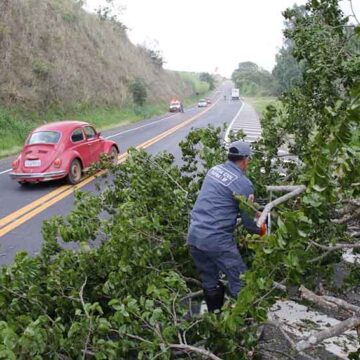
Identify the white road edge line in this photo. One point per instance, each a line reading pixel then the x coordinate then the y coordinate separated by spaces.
pixel 226 137
pixel 6 171
pixel 247 131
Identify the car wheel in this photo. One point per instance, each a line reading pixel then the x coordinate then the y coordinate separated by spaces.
pixel 114 153
pixel 74 175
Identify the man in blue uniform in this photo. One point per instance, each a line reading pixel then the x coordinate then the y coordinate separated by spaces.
pixel 213 221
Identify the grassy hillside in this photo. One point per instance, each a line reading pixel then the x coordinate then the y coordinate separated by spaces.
pixel 53 52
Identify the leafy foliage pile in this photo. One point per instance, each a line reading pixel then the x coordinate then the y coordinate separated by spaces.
pixel 128 296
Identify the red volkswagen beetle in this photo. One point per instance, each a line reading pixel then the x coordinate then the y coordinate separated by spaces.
pixel 61 149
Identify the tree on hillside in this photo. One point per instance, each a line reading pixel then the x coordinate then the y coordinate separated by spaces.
pixel 152 50
pixel 205 76
pixel 138 90
pixel 251 79
pixel 112 11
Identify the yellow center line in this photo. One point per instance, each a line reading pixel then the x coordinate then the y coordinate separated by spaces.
pixel 7 219
pixel 15 215
pixel 15 219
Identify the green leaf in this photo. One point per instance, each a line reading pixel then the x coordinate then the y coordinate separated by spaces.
pixel 268 250
pixel 302 233
pixel 318 188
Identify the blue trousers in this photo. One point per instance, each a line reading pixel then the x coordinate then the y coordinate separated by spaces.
pixel 210 263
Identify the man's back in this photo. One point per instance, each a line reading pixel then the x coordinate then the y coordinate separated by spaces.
pixel 214 215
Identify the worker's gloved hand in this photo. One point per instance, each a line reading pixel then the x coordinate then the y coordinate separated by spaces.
pixel 263 229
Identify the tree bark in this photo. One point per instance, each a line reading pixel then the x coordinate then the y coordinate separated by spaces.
pixel 188 348
pixel 308 295
pixel 293 192
pixel 335 330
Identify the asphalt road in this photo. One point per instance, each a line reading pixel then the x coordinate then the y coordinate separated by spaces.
pixel 23 209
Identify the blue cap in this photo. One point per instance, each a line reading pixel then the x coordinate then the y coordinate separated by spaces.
pixel 241 148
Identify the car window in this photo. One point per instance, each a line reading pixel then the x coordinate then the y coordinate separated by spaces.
pixel 89 132
pixel 44 137
pixel 77 135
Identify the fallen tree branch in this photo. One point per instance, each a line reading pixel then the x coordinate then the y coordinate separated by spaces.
pixel 320 257
pixel 335 330
pixel 293 192
pixel 308 295
pixel 283 188
pixel 354 202
pixel 188 348
pixel 330 303
pixel 279 286
pixel 136 337
pixel 169 176
pixel 193 281
pixel 343 304
pixel 88 336
pixel 347 218
pixel 192 295
pixel 330 249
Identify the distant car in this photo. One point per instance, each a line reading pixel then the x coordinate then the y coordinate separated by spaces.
pixel 61 149
pixel 202 103
pixel 208 101
pixel 176 106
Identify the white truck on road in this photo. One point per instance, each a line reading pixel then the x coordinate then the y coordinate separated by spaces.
pixel 235 94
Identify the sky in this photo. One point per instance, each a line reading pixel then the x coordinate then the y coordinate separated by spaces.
pixel 202 35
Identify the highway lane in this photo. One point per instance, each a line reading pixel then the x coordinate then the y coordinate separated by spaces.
pixel 15 196
pixel 28 235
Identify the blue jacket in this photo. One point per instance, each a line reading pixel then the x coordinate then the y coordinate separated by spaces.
pixel 213 218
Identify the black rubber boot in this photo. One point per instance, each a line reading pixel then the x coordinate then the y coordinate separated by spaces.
pixel 215 298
